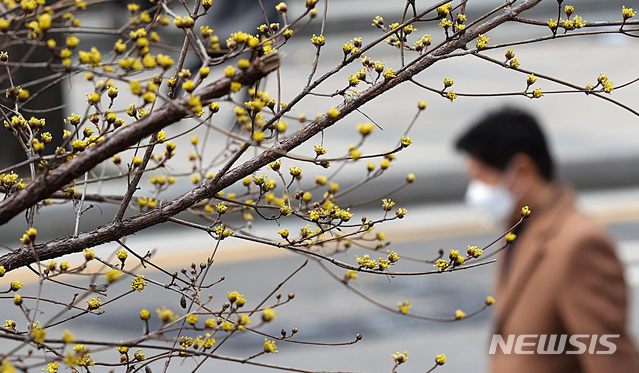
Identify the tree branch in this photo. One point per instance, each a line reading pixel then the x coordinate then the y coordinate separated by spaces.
pixel 166 115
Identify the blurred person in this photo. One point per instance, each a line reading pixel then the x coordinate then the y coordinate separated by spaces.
pixel 559 284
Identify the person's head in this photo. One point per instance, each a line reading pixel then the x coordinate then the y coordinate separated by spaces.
pixel 506 149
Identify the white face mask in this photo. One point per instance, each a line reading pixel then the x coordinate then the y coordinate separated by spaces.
pixel 495 203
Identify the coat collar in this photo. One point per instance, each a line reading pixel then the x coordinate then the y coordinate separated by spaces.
pixel 530 249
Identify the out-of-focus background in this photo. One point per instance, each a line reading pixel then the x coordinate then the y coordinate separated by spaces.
pixel 596 147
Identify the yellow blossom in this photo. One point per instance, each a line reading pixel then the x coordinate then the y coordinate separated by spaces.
pixel 52 367
pixel 365 129
pixel 404 308
pixel 88 254
pixel 145 315
pixel 389 74
pixel 627 13
pixel 268 314
pixel 113 275
pixel 269 346
pixel 445 23
pixel 38 334
pixel 444 10
pixel 235 297
pixel 192 319
pixel 537 93
pixel 350 275
pixel 15 285
pixel 165 315
pixel 400 358
pixel 318 41
pixel 138 283
pixel 67 337
pixel 94 303
pixel 442 265
pixel 482 41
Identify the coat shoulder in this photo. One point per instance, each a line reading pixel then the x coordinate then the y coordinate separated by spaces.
pixel 577 230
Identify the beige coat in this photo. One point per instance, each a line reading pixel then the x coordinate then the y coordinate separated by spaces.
pixel 564 278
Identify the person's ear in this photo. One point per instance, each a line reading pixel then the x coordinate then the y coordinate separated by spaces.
pixel 522 174
pixel 522 166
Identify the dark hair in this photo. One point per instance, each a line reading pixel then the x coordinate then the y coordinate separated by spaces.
pixel 501 134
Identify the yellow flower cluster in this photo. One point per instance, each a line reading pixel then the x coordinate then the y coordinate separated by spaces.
pixel 242 321
pixel 94 303
pixel 268 314
pixel 350 275
pixel 456 258
pixel 165 315
pixel 442 265
pixel 10 180
pixel 444 10
pixel 352 47
pixel 537 93
pixel 627 13
pixel 445 24
pixel 29 237
pixel 138 283
pixel 482 41
pixel 236 298
pixel 366 261
pixel 404 308
pixel 400 358
pixel 474 251
pixel 112 275
pixel 392 256
pixel 318 41
pixel 389 74
pixel 365 129
pixel 269 346
pixel 607 84
pixel 387 204
pixel 80 356
pixel 423 43
pixel 38 334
